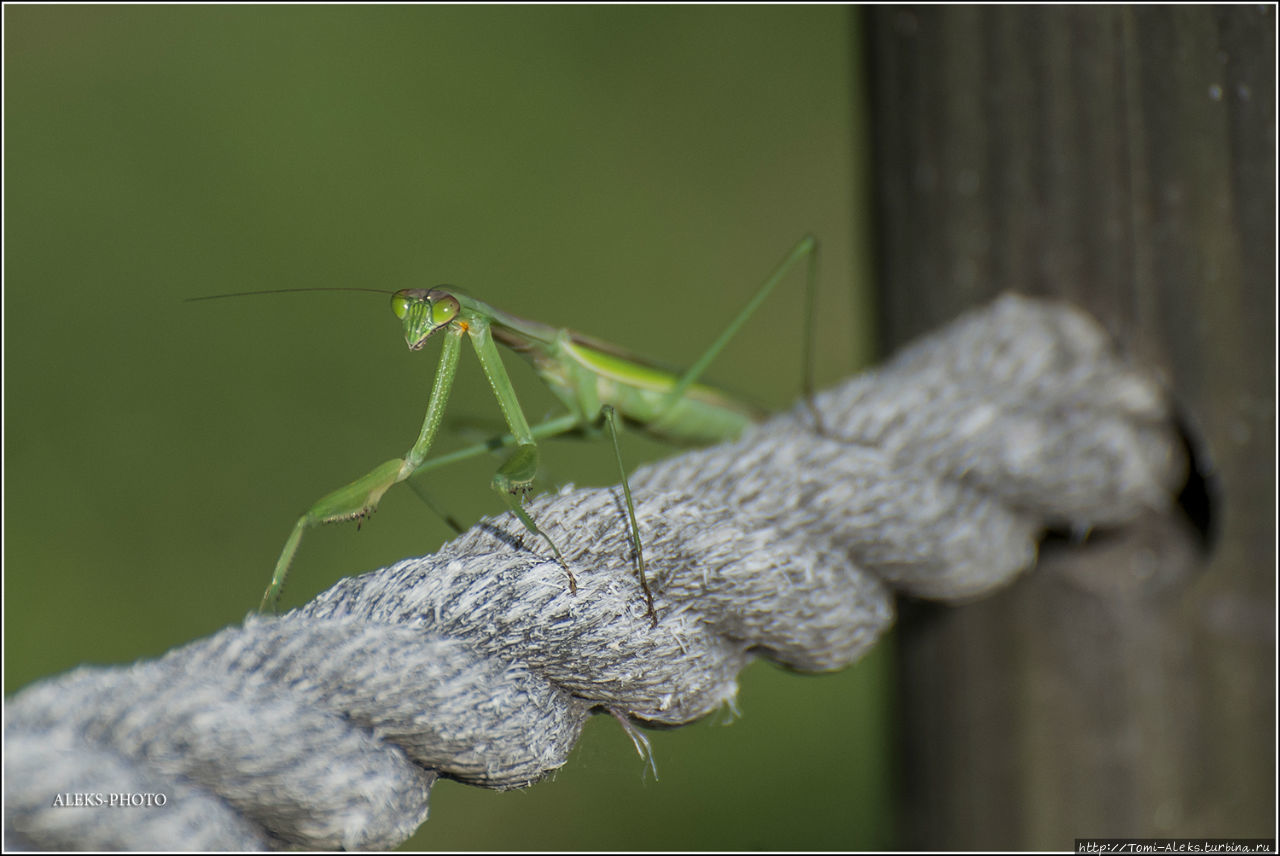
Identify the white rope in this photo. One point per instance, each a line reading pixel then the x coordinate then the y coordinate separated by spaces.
pixel 326 727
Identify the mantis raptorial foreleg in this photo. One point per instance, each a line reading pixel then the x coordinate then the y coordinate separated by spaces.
pixel 514 479
pixel 359 499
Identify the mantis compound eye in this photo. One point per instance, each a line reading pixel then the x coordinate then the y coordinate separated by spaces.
pixel 402 299
pixel 444 306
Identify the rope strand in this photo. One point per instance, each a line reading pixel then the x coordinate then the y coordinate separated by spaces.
pixel 326 727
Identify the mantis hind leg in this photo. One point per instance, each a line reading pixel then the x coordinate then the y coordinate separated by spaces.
pixel 611 421
pixel 447 517
pixel 807 249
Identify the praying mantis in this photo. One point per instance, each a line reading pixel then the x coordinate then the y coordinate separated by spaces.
pixel 596 381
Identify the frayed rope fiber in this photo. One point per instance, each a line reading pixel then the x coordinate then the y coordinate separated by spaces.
pixel 326 727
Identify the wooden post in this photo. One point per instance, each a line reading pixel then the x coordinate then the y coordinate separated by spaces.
pixel 1123 158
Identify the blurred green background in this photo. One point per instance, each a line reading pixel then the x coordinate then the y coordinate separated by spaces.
pixel 633 172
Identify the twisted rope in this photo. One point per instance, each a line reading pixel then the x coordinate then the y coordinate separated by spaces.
pixel 326 727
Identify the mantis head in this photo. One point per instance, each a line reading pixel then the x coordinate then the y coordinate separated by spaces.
pixel 423 311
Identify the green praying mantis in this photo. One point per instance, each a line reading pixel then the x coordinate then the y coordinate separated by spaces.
pixel 596 381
